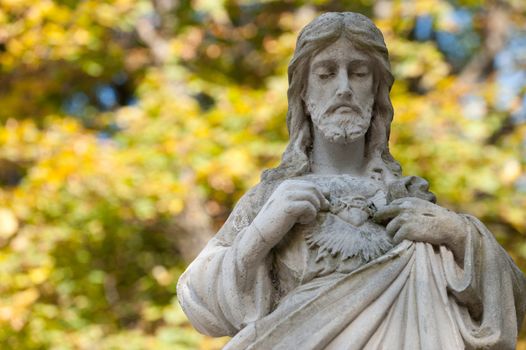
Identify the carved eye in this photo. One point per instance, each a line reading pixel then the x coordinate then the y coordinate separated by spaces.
pixel 325 76
pixel 361 72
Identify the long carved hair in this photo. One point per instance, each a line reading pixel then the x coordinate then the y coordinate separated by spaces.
pixel 320 33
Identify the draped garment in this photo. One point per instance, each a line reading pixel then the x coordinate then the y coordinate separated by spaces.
pixel 414 296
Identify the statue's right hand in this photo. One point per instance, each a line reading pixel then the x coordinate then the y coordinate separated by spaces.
pixel 293 201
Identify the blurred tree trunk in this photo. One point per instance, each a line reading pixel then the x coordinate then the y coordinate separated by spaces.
pixel 11 173
pixel 192 229
pixel 495 30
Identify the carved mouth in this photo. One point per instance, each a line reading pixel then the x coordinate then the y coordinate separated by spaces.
pixel 344 108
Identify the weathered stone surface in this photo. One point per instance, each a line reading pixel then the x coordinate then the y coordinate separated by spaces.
pixel 334 248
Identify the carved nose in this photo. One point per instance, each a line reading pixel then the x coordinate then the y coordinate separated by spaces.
pixel 344 93
pixel 344 89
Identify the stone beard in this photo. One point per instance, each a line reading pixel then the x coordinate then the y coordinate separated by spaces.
pixel 341 128
pixel 346 253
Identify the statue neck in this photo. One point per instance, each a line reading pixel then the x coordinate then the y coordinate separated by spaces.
pixel 328 158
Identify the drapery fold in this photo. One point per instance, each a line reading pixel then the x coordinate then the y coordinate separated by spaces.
pixel 414 297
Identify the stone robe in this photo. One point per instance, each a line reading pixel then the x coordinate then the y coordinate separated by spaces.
pixel 409 296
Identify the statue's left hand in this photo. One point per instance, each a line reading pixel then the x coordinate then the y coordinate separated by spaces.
pixel 418 220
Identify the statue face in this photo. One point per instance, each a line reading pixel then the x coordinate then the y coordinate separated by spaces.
pixel 339 95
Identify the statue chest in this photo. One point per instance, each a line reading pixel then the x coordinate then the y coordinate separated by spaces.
pixel 341 239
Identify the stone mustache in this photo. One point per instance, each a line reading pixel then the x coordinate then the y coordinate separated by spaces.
pixel 334 248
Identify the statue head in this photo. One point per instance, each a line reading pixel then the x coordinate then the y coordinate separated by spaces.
pixel 368 112
pixel 340 92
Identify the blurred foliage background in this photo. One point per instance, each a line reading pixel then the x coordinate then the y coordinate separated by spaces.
pixel 129 128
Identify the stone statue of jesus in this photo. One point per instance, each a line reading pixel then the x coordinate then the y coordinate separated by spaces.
pixel 334 248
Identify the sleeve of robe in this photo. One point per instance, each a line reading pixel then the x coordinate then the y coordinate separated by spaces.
pixel 220 293
pixel 490 291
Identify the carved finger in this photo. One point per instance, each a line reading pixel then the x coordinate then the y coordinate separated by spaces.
pixel 309 214
pixel 412 232
pixel 404 203
pixel 324 202
pixel 308 196
pixel 326 194
pixel 322 195
pixel 304 210
pixel 403 233
pixel 386 213
pixel 297 208
pixel 394 225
